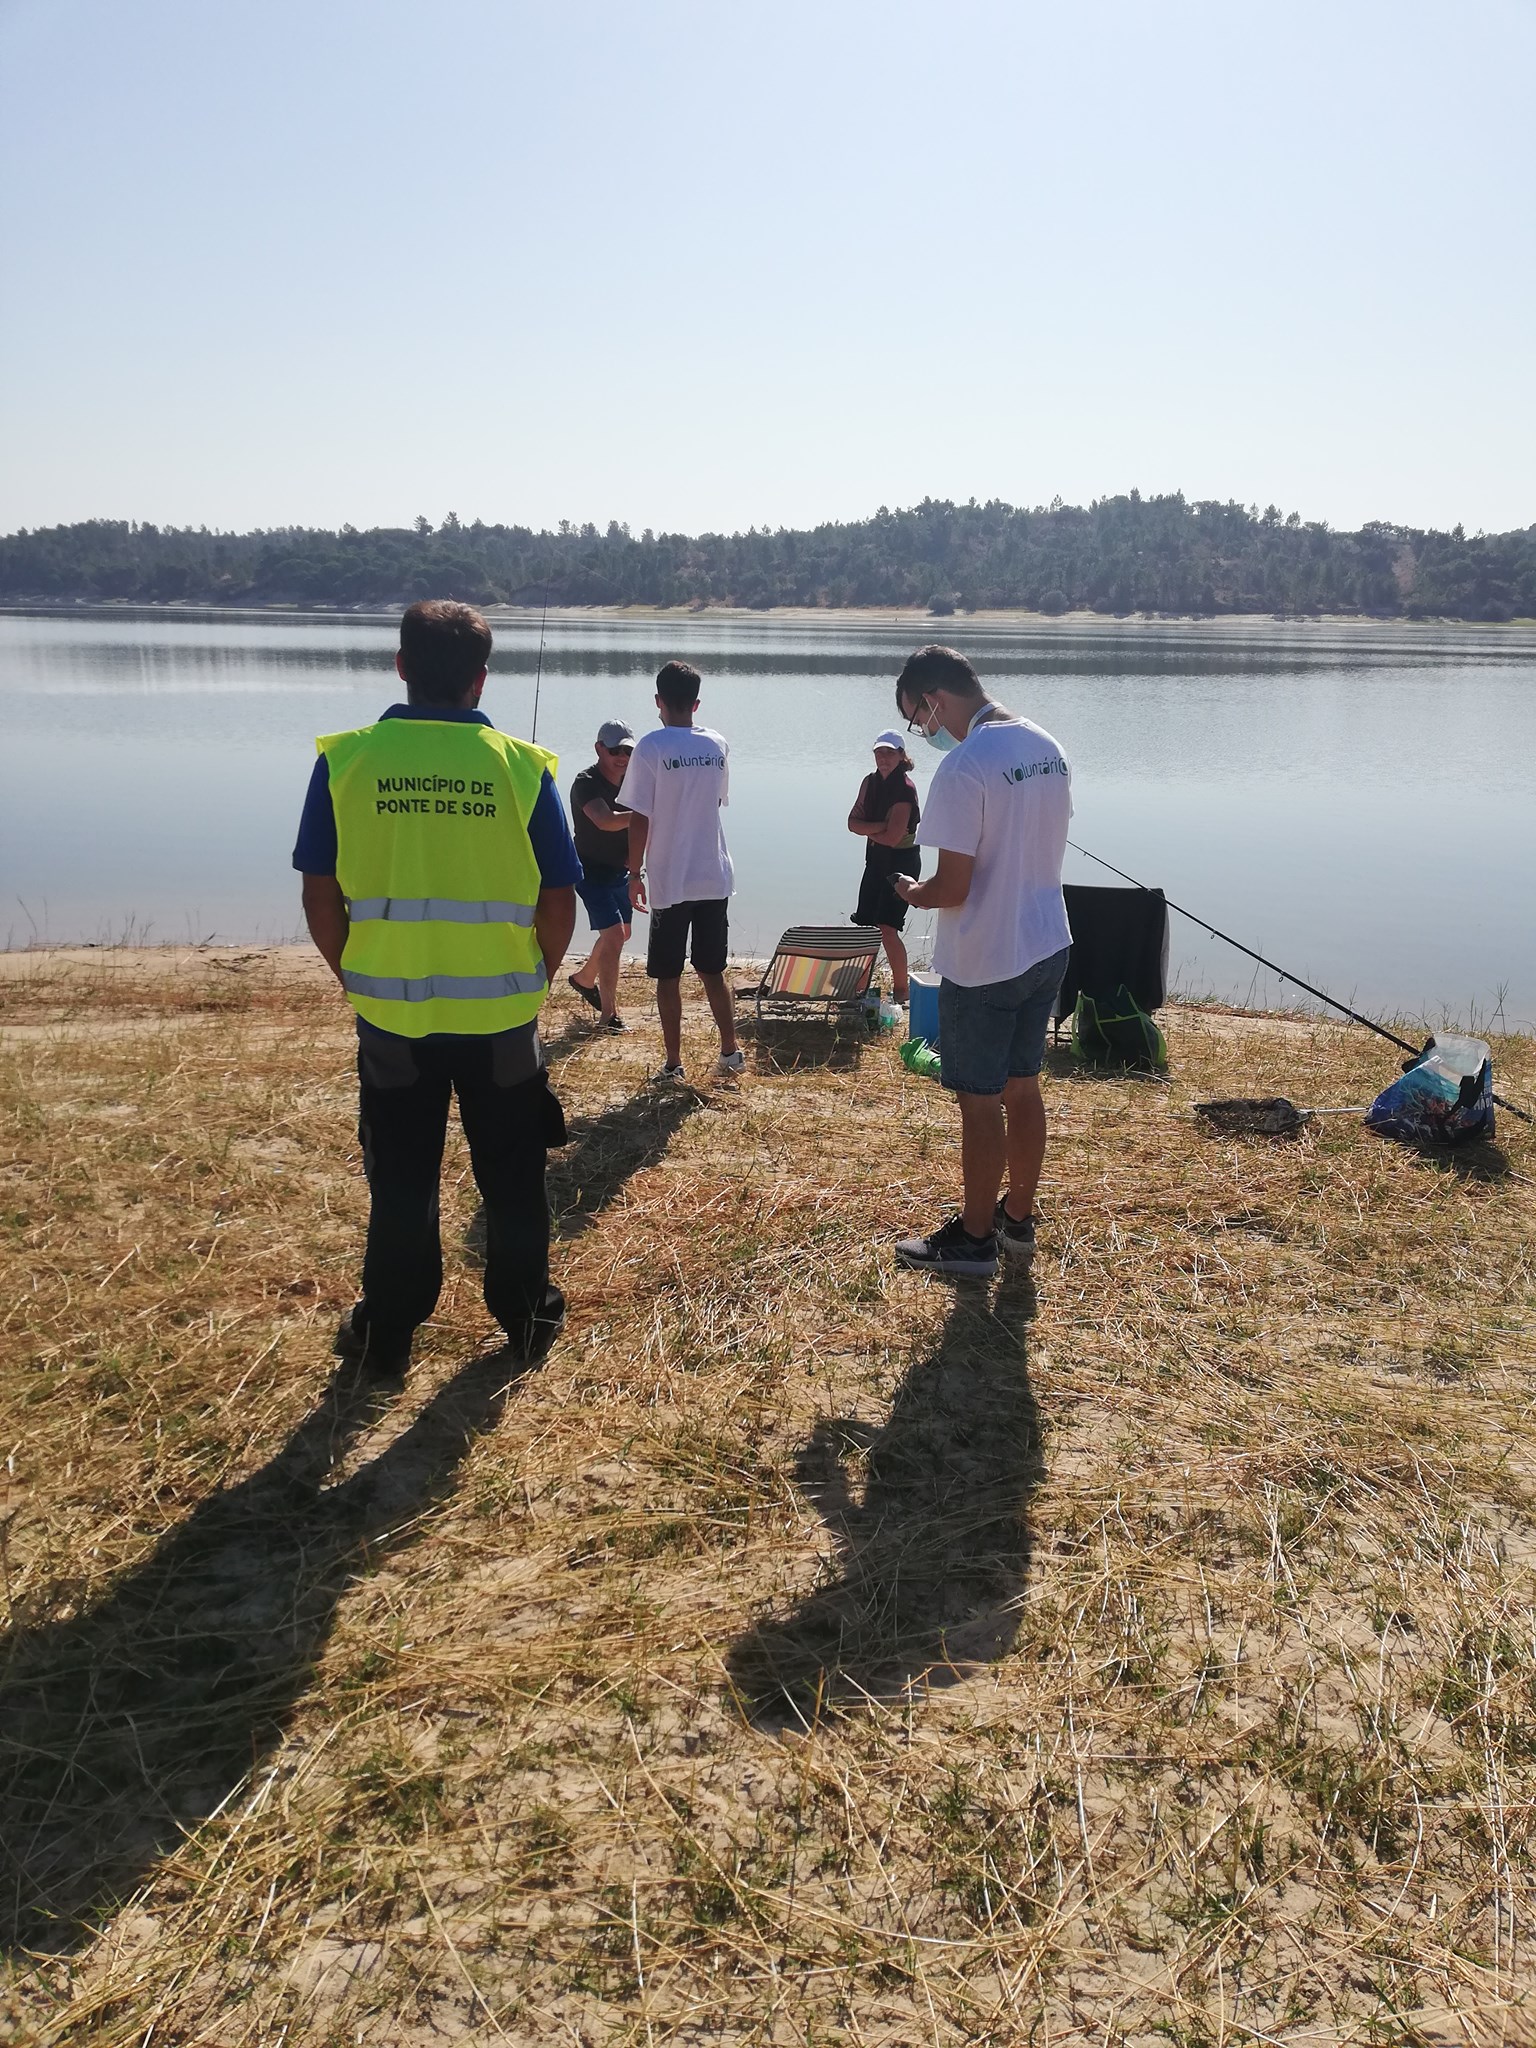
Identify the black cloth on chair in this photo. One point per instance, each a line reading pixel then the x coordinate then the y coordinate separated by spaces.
pixel 1118 935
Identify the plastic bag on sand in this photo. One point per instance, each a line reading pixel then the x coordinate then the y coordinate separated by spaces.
pixel 1444 1097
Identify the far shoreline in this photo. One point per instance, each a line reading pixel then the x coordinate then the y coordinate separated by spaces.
pixel 915 616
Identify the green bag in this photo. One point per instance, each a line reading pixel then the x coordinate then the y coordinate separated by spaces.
pixel 1118 1033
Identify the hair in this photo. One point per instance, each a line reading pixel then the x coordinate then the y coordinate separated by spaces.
pixel 443 648
pixel 935 668
pixel 678 686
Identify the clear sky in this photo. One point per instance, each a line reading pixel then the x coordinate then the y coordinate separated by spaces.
pixel 710 265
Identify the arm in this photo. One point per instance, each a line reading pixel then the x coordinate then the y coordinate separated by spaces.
pixel 554 919
pixel 894 829
pixel 945 889
pixel 325 912
pixel 604 819
pixel 639 833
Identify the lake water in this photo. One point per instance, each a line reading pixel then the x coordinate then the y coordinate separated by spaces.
pixel 1359 802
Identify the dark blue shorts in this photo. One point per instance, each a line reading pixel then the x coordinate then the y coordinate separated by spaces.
pixel 607 902
pixel 994 1034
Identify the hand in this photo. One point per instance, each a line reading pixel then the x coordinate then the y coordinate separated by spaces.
pixel 637 897
pixel 904 886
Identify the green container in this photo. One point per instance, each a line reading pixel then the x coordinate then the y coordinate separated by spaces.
pixel 919 1057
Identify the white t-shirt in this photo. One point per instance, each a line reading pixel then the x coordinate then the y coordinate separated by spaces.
pixel 1004 796
pixel 678 778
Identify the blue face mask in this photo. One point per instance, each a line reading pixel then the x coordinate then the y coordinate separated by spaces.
pixel 941 738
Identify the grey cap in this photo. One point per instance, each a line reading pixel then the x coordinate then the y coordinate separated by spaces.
pixel 613 732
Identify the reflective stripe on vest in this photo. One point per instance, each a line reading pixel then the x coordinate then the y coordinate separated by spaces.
pixel 434 858
pixel 452 988
pixel 437 910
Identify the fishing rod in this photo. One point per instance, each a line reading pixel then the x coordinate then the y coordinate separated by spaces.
pixel 538 674
pixel 1294 979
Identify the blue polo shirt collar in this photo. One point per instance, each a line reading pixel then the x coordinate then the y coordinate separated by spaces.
pixel 441 714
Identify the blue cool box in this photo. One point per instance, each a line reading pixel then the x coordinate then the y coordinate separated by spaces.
pixel 923 1007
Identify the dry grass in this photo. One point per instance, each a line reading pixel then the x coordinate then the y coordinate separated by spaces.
pixel 805 1653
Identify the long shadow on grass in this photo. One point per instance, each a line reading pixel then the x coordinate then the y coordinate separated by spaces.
pixel 131 1723
pixel 606 1151
pixel 930 1517
pixel 602 1154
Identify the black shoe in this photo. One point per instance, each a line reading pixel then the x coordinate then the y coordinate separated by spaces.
pixel 951 1251
pixel 531 1342
pixel 386 1356
pixel 614 1023
pixel 588 995
pixel 1017 1239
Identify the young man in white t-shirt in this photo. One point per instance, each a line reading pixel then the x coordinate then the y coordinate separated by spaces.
pixel 679 869
pixel 997 812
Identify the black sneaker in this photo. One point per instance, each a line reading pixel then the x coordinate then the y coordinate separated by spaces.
pixel 1017 1239
pixel 951 1250
pixel 588 995
pixel 531 1342
pixel 386 1356
pixel 614 1023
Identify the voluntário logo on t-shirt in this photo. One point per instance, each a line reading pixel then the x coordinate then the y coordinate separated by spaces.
pixel 693 761
pixel 1025 771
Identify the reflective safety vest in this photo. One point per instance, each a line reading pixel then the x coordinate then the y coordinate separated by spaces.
pixel 434 859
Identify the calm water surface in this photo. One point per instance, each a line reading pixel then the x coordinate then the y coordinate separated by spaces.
pixel 1358 802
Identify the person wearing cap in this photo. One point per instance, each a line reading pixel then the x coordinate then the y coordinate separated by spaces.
pixel 885 816
pixel 598 823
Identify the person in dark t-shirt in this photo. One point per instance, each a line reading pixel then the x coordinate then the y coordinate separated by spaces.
pixel 601 831
pixel 885 817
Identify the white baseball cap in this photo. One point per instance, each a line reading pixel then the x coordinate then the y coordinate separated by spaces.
pixel 891 738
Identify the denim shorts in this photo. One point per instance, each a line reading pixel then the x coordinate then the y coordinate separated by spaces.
pixel 994 1034
pixel 607 902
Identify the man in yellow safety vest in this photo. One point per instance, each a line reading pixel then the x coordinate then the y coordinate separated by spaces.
pixel 439 886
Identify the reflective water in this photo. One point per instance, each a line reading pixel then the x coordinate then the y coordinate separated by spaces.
pixel 1358 802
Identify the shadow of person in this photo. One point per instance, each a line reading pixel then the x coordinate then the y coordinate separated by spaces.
pixel 606 1150
pixel 581 1028
pixel 601 1153
pixel 928 1513
pixel 130 1723
pixel 780 1047
pixel 1481 1159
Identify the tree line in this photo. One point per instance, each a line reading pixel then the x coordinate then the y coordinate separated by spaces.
pixel 1118 555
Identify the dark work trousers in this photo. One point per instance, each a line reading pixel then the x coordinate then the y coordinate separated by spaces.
pixel 510 1117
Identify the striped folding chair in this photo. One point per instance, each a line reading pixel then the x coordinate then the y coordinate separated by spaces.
pixel 821 971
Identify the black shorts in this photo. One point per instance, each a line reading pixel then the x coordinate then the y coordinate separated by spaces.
pixel 669 938
pixel 878 901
